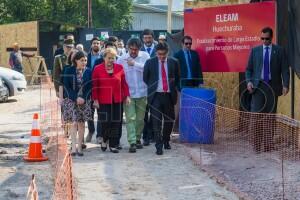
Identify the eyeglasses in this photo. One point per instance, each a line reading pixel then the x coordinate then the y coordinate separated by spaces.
pixel 188 43
pixel 265 38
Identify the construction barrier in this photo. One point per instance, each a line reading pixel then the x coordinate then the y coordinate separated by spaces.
pixel 32 193
pixel 257 154
pixel 57 147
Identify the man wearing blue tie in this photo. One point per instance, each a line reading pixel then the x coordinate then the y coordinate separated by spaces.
pixel 149 43
pixel 190 71
pixel 267 76
pixel 149 46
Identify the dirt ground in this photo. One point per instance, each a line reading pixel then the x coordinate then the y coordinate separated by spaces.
pixel 15 126
pixel 261 176
pixel 143 175
pixel 98 175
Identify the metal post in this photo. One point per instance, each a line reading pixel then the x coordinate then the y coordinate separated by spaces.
pixel 91 14
pixel 90 21
pixel 293 94
pixel 88 16
pixel 169 17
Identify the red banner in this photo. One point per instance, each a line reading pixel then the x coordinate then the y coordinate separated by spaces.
pixel 223 36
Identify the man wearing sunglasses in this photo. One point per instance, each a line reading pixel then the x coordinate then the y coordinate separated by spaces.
pixel 267 76
pixel 190 70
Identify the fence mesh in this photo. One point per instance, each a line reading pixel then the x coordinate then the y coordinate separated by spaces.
pixel 256 153
pixel 57 147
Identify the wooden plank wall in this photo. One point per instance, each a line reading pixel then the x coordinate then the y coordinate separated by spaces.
pixel 26 34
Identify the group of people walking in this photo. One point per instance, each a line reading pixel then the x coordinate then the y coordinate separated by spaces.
pixel 142 81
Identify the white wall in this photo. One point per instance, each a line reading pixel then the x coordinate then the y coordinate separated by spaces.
pixel 178 5
pixel 155 21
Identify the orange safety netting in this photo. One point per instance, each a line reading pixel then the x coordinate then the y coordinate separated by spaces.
pixel 257 154
pixel 57 148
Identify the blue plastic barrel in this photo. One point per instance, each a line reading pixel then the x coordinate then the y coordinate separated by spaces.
pixel 197 115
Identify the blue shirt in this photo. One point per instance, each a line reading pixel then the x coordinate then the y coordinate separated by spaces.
pixel 94 58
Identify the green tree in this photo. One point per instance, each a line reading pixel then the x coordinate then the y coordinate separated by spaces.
pixel 106 13
pixel 112 13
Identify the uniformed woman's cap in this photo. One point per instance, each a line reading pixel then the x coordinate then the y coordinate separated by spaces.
pixel 69 43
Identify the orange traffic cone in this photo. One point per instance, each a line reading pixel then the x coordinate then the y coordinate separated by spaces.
pixel 35 147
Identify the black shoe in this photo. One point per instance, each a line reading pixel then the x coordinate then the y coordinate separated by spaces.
pixel 146 143
pixel 83 146
pixel 159 149
pixel 159 152
pixel 167 145
pixel 119 147
pixel 103 146
pixel 139 144
pixel 132 148
pixel 79 153
pixel 73 154
pixel 113 150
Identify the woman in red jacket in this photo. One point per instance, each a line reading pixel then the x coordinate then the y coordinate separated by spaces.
pixel 109 91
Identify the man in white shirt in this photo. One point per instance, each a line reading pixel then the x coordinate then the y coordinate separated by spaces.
pixel 133 63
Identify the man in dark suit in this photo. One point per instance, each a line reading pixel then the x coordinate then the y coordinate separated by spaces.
pixel 267 77
pixel 149 46
pixel 190 71
pixel 190 67
pixel 161 77
pixel 92 57
pixel 149 43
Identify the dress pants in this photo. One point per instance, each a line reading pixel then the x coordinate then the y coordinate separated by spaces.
pixel 263 100
pixel 162 115
pixel 91 124
pixel 110 119
pixel 148 127
pixel 120 128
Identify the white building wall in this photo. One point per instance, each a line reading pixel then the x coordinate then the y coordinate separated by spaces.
pixel 157 21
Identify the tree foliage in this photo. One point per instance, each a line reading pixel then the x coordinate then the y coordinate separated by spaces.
pixel 106 13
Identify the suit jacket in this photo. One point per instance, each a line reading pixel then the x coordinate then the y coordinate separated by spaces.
pixel 71 88
pixel 280 73
pixel 151 73
pixel 153 54
pixel 196 71
pixel 108 89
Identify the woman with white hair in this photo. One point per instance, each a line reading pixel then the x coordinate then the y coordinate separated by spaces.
pixel 109 91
